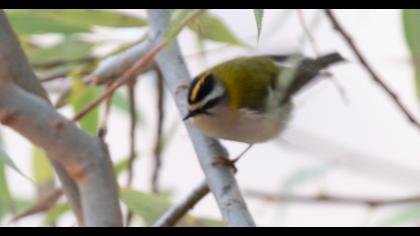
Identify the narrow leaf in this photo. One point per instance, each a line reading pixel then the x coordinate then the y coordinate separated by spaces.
pixel 259 15
pixel 409 215
pixel 82 95
pixel 147 206
pixel 411 19
pixel 68 21
pixel 181 18
pixel 8 161
pixel 42 171
pixel 210 27
pixel 54 214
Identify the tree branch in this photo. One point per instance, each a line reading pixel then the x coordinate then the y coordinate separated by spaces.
pixel 175 213
pixel 25 108
pixel 220 178
pixel 339 28
pixel 157 147
pixel 114 66
pixel 21 73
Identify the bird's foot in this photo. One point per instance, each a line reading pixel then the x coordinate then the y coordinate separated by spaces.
pixel 223 161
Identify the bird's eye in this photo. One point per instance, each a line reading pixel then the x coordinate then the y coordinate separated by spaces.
pixel 200 87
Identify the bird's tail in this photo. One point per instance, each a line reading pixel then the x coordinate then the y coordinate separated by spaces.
pixel 307 70
pixel 326 60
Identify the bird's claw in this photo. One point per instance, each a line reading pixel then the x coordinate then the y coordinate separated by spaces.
pixel 223 161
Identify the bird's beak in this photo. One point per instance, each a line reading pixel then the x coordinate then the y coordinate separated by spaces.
pixel 194 113
pixel 189 115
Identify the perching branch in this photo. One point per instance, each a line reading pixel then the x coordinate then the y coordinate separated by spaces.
pixel 131 71
pixel 220 178
pixel 24 107
pixel 339 28
pixel 175 213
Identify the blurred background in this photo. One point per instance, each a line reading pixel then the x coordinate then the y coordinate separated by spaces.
pixel 347 153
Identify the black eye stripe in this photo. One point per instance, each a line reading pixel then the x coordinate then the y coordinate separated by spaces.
pixel 203 110
pixel 200 87
pixel 211 103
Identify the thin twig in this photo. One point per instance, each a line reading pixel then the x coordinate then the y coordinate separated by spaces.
pixel 138 67
pixel 132 135
pixel 158 141
pixel 175 213
pixel 330 199
pixel 41 205
pixel 127 76
pixel 132 138
pixel 339 28
pixel 317 51
pixel 103 127
pixel 308 32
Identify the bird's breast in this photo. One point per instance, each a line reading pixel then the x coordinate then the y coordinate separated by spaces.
pixel 243 125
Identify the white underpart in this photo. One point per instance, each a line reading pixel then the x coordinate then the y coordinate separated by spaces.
pixel 244 125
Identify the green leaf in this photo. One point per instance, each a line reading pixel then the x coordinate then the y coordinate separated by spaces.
pixel 120 167
pixel 42 170
pixel 179 19
pixel 5 159
pixel 259 15
pixel 411 20
pixel 71 48
pixel 210 27
pixel 6 199
pixel 54 214
pixel 80 97
pixel 68 21
pixel 148 206
pixel 409 215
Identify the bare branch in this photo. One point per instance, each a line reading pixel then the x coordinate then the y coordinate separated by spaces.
pixel 375 77
pixel 21 73
pixel 175 213
pixel 114 66
pixel 130 74
pixel 43 204
pixel 70 189
pixel 103 127
pixel 133 124
pixel 220 178
pixel 24 107
pixel 158 141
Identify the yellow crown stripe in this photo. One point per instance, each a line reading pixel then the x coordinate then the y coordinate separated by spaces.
pixel 198 86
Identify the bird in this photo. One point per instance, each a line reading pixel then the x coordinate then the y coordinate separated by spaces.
pixel 249 98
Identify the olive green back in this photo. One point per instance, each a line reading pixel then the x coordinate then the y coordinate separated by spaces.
pixel 247 80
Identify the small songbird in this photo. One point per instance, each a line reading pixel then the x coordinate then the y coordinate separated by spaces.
pixel 248 99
